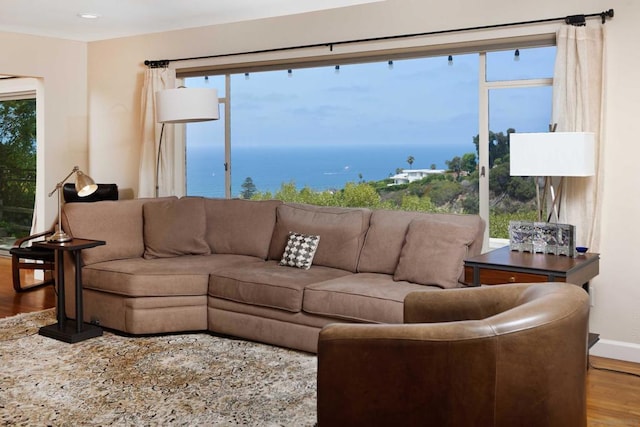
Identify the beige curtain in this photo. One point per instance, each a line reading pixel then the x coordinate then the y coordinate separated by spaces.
pixel 578 93
pixel 155 79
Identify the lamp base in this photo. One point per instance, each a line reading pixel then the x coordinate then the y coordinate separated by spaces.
pixel 59 237
pixel 68 331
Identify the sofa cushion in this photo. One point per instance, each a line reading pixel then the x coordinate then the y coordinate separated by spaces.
pixel 158 277
pixel 341 232
pixel 174 227
pixel 363 297
pixel 268 284
pixel 119 223
pixel 300 250
pixel 385 238
pixel 434 253
pixel 242 227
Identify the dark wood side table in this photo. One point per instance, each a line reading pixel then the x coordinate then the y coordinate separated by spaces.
pixel 502 266
pixel 69 330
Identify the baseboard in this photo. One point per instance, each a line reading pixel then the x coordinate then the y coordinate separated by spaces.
pixel 619 350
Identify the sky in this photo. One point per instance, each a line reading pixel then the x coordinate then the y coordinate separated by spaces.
pixel 416 101
pixel 397 110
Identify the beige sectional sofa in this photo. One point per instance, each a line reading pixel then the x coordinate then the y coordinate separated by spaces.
pixel 195 264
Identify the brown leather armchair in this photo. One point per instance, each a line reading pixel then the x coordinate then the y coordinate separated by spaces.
pixel 507 355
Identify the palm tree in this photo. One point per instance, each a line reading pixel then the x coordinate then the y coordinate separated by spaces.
pixel 410 160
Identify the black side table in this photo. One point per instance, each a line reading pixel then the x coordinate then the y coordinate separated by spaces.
pixel 69 330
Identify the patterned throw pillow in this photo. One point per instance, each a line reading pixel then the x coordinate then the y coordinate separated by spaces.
pixel 300 250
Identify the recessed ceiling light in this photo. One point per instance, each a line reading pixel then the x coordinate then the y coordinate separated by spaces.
pixel 89 15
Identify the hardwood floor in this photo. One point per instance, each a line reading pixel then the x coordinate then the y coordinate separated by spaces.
pixel 613 399
pixel 12 303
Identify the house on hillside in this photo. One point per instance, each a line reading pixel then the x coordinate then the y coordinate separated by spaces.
pixel 410 175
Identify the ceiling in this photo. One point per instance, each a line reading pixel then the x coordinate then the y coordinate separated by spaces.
pixel 121 18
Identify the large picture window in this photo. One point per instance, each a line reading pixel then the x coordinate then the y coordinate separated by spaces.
pixel 403 134
pixel 17 159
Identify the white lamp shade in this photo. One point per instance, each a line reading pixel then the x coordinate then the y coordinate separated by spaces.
pixel 552 154
pixel 185 105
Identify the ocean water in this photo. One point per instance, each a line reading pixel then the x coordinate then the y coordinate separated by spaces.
pixel 318 167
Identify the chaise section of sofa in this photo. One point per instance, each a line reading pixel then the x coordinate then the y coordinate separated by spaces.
pixel 153 274
pixel 153 295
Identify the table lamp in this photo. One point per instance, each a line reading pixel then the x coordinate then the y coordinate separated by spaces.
pixel 552 154
pixel 84 186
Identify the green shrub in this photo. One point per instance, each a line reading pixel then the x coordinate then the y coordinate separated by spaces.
pixel 499 222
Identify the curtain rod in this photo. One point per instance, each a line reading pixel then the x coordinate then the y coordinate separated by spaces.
pixel 577 20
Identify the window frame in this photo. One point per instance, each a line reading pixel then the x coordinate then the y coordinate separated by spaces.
pixel 21 88
pixel 235 65
pixel 484 88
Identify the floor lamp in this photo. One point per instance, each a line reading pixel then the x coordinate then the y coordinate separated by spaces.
pixel 183 105
pixel 549 155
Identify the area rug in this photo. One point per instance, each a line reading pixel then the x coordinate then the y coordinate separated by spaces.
pixel 186 379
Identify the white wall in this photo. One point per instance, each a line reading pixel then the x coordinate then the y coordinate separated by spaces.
pixel 60 67
pixel 616 314
pixel 115 70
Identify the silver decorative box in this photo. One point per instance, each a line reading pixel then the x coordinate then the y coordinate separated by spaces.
pixel 542 237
